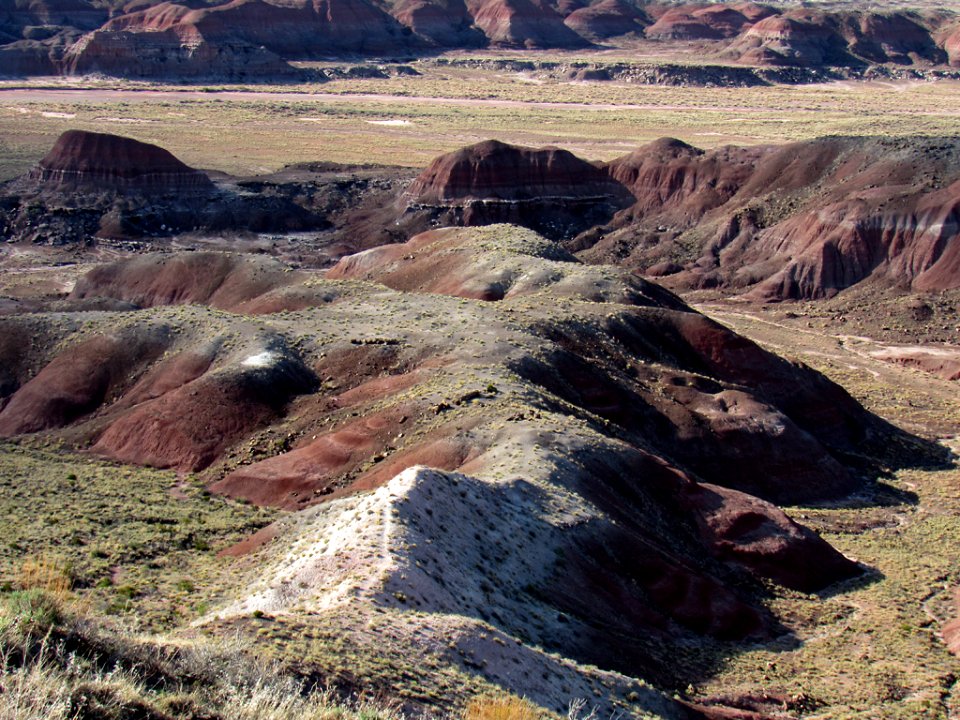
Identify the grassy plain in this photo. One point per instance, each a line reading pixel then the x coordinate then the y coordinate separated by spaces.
pixel 408 120
pixel 134 543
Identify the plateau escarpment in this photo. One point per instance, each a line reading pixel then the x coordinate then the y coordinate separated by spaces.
pixel 605 460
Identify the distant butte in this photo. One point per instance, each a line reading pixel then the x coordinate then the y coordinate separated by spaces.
pixel 82 159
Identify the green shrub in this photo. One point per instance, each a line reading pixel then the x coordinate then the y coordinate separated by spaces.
pixel 33 611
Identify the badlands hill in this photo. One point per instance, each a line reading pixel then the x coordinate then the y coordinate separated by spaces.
pixel 251 39
pixel 547 476
pixel 99 188
pixel 800 221
pixel 803 220
pixel 96 161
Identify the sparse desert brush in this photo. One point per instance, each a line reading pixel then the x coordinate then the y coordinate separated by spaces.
pixel 30 612
pixel 33 690
pixel 501 707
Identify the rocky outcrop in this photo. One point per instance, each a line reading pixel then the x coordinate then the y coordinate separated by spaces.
pixel 549 189
pixel 40 19
pixel 98 161
pixel 166 54
pixel 92 187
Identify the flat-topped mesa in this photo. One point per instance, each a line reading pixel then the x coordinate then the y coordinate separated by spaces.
pixel 549 190
pixel 89 160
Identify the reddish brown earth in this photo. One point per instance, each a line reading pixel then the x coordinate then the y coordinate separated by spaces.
pixel 450 261
pixel 951 631
pixel 949 40
pixel 706 22
pixel 549 189
pixel 937 360
pixel 587 380
pixel 440 24
pixel 758 535
pixel 228 36
pixel 96 160
pixel 78 379
pixel 606 19
pixel 255 39
pixel 93 187
pixel 791 39
pixel 191 425
pixel 522 23
pixel 303 475
pixel 228 282
pixel 494 170
pixel 805 220
pixel 814 38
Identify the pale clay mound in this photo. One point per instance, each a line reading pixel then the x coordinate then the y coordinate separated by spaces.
pixel 456 548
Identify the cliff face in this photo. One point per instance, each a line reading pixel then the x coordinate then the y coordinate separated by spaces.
pixel 81 159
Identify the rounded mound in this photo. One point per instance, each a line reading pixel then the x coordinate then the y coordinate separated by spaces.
pixel 80 158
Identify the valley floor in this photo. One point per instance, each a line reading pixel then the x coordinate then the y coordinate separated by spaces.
pixel 873 649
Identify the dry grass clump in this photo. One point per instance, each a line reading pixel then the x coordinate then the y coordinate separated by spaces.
pixel 74 669
pixel 501 707
pixel 44 592
pixel 46 573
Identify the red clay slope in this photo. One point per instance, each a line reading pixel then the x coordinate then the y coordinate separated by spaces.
pixel 224 281
pixel 97 160
pixel 804 220
pixel 548 189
